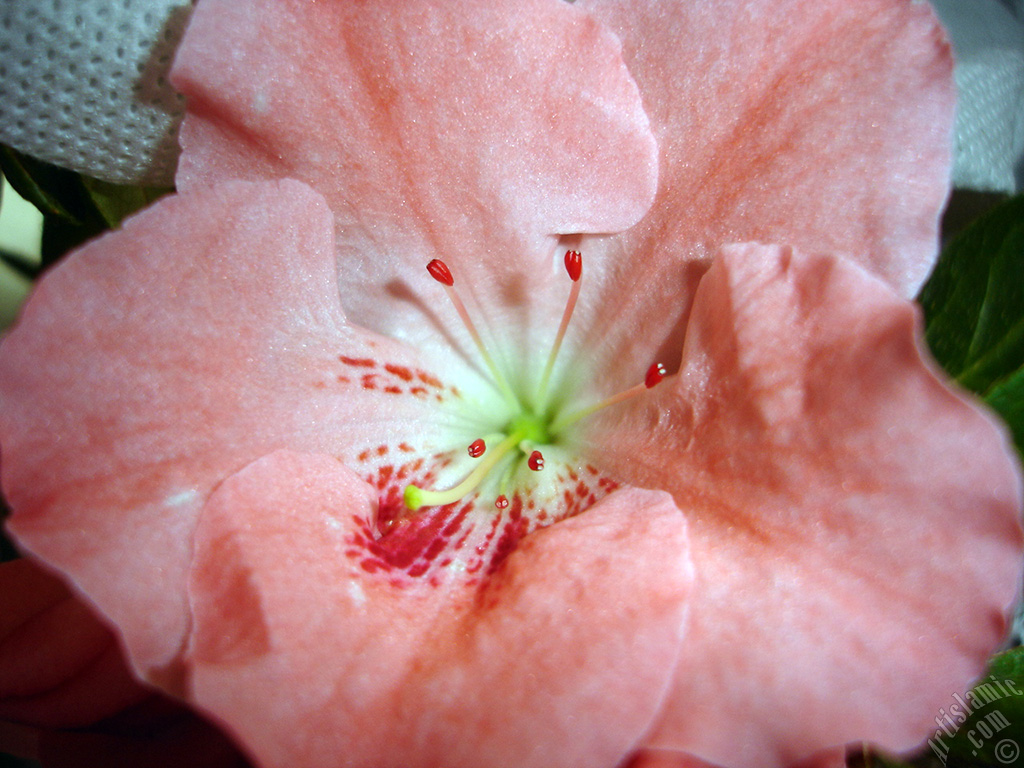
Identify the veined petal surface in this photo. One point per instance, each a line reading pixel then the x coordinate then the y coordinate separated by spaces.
pixel 826 126
pixel 165 356
pixel 470 130
pixel 559 658
pixel 844 504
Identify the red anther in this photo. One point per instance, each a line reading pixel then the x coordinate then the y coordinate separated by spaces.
pixel 574 264
pixel 477 448
pixel 501 502
pixel 440 272
pixel 654 375
pixel 536 461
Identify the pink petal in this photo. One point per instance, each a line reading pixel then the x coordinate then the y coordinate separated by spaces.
pixel 468 130
pixel 822 125
pixel 856 523
pixel 559 658
pixel 162 358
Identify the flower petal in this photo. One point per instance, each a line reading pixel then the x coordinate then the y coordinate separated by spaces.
pixel 469 130
pixel 163 357
pixel 560 658
pixel 855 522
pixel 822 125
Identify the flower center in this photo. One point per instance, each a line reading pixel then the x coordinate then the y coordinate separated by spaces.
pixel 501 456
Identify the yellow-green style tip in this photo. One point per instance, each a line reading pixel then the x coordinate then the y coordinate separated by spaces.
pixel 413 497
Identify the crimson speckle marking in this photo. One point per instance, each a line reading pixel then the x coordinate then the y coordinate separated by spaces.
pixel 392 390
pixel 426 378
pixel 510 536
pixel 344 380
pixel 401 547
pixel 399 370
pixel 358 362
pixel 368 381
pixel 435 548
pixel 418 391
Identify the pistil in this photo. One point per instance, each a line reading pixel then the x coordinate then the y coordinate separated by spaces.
pixel 416 497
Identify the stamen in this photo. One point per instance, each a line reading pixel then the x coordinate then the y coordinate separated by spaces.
pixel 536 461
pixel 416 497
pixel 440 272
pixel 574 266
pixel 654 376
pixel 530 425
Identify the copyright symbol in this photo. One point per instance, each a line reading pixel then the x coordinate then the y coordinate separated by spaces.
pixel 1007 751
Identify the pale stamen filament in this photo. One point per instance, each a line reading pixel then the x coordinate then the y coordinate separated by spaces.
pixel 654 375
pixel 527 430
pixel 440 272
pixel 574 266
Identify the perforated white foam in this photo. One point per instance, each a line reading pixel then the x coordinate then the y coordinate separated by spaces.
pixel 988 40
pixel 83 84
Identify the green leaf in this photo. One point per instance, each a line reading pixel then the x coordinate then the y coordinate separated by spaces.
pixel 988 721
pixel 974 301
pixel 1007 399
pixel 75 208
pixel 48 188
pixel 115 202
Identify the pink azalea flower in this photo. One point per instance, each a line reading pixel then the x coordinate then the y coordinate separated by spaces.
pixel 212 419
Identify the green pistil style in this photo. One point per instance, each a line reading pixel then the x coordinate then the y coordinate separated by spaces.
pixel 416 497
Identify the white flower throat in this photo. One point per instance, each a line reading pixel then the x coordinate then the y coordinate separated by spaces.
pixel 534 425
